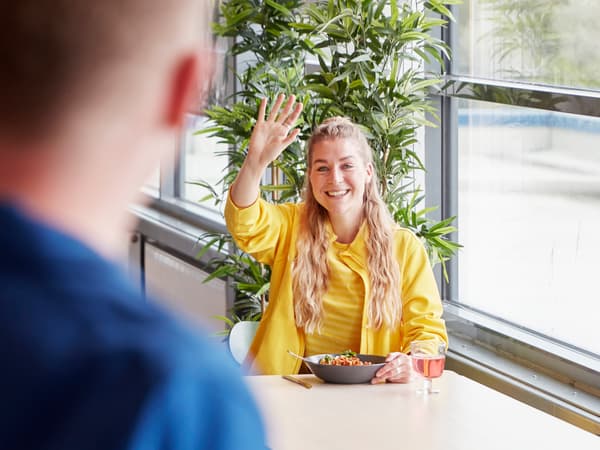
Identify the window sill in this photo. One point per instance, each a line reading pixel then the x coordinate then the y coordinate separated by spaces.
pixel 525 367
pixel 176 228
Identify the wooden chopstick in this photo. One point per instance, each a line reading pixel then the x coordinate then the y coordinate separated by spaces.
pixel 297 381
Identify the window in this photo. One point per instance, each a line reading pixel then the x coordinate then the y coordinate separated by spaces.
pixel 152 185
pixel 543 41
pixel 183 185
pixel 528 215
pixel 521 128
pixel 200 161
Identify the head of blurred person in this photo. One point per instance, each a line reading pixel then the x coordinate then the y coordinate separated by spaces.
pixel 92 95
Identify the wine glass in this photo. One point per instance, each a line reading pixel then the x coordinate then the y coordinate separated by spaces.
pixel 428 358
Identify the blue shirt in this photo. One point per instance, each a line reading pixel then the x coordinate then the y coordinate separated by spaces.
pixel 87 363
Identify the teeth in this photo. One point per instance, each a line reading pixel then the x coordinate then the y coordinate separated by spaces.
pixel 336 193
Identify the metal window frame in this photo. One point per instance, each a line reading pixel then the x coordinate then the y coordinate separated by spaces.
pixel 551 375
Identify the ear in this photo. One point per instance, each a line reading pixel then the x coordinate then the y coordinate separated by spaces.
pixel 369 171
pixel 184 89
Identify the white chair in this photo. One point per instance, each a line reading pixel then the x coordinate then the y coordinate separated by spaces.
pixel 240 338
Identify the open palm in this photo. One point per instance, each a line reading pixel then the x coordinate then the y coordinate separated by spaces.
pixel 273 134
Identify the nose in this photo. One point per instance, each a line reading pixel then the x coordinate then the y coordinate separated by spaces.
pixel 336 175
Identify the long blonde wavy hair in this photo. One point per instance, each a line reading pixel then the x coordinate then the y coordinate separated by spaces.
pixel 310 272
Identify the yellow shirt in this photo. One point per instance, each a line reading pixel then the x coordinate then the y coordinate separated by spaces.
pixel 268 232
pixel 342 308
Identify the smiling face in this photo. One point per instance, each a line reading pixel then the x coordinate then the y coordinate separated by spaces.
pixel 338 176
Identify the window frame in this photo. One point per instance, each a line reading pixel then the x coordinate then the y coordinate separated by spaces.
pixel 552 375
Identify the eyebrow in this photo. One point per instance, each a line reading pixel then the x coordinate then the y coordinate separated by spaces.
pixel 325 161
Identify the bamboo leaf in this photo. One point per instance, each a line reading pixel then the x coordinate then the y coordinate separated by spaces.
pixel 282 9
pixel 394 11
pixel 361 58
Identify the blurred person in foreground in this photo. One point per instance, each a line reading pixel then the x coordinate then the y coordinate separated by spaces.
pixel 92 95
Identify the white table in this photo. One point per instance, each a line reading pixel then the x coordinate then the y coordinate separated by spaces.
pixel 465 415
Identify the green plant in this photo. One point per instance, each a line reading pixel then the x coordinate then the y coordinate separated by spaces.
pixel 371 57
pixel 369 66
pixel 249 278
pixel 274 62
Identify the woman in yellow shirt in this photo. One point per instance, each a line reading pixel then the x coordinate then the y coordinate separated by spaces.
pixel 343 274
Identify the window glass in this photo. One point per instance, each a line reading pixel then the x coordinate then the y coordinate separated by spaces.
pixel 201 161
pixel 546 41
pixel 528 217
pixel 203 158
pixel 152 184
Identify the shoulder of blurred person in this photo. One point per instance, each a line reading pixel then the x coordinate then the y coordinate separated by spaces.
pixel 92 96
pixel 88 363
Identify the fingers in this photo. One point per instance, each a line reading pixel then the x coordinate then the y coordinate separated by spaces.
pixel 262 109
pixel 283 118
pixel 291 137
pixel 288 115
pixel 275 109
pixel 294 115
pixel 396 370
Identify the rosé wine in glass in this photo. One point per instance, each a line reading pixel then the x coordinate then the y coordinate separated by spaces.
pixel 428 359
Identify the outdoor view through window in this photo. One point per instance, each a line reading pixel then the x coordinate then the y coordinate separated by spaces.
pixel 529 179
pixel 202 165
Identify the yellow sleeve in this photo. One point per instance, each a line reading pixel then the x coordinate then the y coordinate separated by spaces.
pixel 258 228
pixel 421 304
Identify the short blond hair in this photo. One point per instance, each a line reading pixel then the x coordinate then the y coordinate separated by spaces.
pixel 47 47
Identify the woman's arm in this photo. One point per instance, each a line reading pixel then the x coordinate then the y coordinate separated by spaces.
pixel 269 138
pixel 422 307
pixel 421 312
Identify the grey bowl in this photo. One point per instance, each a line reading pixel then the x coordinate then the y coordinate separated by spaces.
pixel 345 374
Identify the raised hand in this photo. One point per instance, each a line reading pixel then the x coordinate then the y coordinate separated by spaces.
pixel 269 138
pixel 272 135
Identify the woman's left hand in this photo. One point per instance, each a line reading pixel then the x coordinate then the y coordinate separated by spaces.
pixel 397 369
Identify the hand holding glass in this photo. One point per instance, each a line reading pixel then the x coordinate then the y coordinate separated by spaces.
pixel 428 359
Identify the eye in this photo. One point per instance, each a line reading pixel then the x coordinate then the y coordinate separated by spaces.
pixel 348 166
pixel 322 169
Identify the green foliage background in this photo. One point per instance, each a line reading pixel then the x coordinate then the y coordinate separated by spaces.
pixel 366 61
